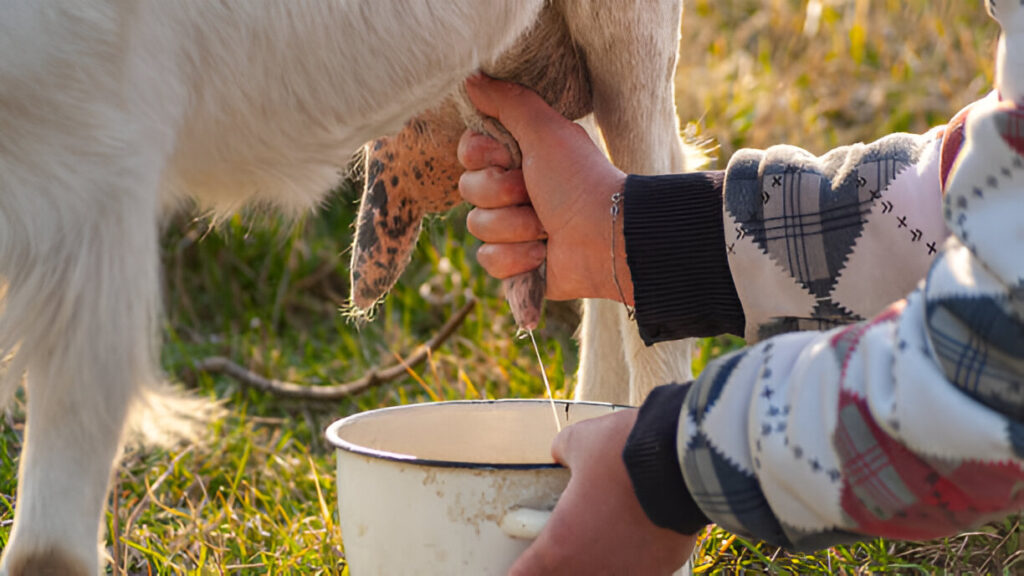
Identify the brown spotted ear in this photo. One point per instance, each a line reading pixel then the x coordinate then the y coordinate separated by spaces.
pixel 409 175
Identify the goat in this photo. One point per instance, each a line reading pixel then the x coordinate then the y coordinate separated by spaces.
pixel 114 113
pixel 414 173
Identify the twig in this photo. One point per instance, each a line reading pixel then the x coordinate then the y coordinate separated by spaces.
pixel 220 364
pixel 996 549
pixel 323 271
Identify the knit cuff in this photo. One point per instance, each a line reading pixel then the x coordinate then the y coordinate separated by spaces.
pixel 675 248
pixel 652 462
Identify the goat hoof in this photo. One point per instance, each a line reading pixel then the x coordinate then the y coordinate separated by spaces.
pixel 50 563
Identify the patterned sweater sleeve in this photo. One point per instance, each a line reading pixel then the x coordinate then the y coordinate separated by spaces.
pixel 906 425
pixel 796 227
pixel 806 243
pixel 818 242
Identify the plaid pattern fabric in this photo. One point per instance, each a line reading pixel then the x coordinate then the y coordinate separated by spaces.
pixel 733 498
pixel 869 463
pixel 1011 127
pixel 807 214
pixel 720 487
pixel 891 492
pixel 922 407
pixel 980 347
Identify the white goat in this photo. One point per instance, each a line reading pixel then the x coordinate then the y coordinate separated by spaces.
pixel 113 112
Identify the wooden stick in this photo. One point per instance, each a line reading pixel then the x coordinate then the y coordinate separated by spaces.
pixel 220 364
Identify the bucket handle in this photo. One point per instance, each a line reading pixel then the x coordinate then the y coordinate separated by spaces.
pixel 524 523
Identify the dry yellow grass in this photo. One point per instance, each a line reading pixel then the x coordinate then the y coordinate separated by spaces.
pixel 830 72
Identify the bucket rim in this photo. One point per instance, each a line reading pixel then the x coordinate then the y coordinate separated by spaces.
pixel 340 444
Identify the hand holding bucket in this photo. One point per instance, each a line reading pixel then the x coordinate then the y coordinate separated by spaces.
pixel 448 487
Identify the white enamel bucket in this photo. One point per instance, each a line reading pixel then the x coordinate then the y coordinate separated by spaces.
pixel 448 488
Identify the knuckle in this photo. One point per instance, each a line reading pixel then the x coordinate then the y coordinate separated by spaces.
pixel 474 150
pixel 462 152
pixel 483 256
pixel 489 260
pixel 513 188
pixel 473 222
pixel 466 187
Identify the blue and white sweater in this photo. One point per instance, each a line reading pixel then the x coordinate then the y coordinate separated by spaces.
pixel 858 410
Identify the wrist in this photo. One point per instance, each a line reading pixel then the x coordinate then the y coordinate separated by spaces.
pixel 598 251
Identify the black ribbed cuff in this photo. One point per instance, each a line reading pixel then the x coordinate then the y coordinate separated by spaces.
pixel 675 248
pixel 652 463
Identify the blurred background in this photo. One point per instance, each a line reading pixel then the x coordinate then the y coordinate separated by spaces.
pixel 258 496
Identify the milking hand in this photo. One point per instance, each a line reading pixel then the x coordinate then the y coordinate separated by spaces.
pixel 524 292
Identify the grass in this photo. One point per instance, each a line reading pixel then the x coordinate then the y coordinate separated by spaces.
pixel 258 496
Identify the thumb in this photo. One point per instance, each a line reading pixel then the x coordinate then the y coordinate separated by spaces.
pixel 561 446
pixel 574 445
pixel 520 110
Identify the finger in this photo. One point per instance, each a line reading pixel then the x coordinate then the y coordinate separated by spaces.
pixel 477 151
pixel 520 110
pixel 510 224
pixel 493 188
pixel 507 260
pixel 560 446
pixel 575 439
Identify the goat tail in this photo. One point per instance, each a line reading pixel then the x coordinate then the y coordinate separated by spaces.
pixel 164 415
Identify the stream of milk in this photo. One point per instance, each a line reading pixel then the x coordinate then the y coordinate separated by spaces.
pixel 544 375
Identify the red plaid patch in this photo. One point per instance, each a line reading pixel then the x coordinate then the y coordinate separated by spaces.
pixel 891 492
pixel 1011 127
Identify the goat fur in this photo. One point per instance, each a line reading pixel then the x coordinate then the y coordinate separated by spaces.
pixel 114 113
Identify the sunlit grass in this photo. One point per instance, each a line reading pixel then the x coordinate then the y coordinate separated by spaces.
pixel 258 496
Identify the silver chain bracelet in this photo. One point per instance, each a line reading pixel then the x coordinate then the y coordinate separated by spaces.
pixel 615 211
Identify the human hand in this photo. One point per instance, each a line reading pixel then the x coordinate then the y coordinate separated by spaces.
pixel 598 526
pixel 562 194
